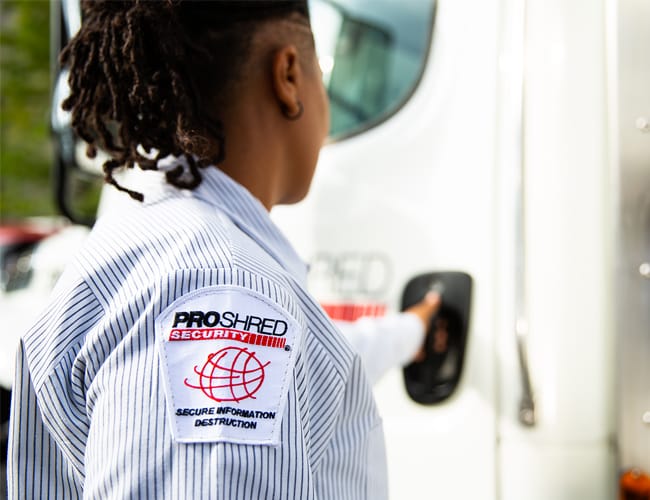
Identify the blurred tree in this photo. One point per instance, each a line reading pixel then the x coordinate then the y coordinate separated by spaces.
pixel 25 144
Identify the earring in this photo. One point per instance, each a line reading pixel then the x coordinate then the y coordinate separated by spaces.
pixel 296 115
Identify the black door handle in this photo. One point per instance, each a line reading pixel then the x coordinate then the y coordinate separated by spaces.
pixel 435 378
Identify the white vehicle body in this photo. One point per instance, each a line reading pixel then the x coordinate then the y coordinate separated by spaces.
pixel 520 158
pixel 507 163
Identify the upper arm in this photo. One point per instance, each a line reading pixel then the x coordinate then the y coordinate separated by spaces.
pixel 200 399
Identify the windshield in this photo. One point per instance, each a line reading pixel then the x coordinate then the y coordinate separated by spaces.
pixel 372 53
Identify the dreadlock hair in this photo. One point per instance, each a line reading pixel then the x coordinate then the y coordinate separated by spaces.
pixel 145 77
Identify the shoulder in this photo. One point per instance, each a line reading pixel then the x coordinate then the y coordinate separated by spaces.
pixel 127 252
pixel 178 233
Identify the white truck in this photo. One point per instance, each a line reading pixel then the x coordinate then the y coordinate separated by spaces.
pixel 500 151
pixel 509 141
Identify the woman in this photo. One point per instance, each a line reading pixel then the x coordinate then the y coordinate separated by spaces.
pixel 181 356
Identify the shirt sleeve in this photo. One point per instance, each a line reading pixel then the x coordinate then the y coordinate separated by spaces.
pixel 36 466
pixel 131 450
pixel 384 343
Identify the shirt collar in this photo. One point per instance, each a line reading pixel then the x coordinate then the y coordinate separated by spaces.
pixel 246 212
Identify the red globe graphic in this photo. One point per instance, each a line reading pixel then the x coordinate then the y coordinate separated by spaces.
pixel 230 374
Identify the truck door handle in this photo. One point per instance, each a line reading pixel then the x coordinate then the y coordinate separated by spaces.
pixel 435 378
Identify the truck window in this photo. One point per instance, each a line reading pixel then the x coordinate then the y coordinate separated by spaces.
pixel 372 53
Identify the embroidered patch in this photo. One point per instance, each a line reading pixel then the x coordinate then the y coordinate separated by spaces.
pixel 227 357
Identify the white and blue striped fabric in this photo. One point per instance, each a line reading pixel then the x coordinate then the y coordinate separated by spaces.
pixel 89 416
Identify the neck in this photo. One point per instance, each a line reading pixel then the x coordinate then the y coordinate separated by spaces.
pixel 255 156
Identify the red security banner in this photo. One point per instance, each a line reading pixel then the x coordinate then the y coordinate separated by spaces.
pixel 191 334
pixel 353 311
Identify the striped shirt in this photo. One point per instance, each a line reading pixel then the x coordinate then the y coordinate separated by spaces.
pixel 89 415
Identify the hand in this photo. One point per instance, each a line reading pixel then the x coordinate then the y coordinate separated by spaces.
pixel 425 310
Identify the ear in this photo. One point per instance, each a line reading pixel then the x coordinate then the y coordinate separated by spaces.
pixel 287 78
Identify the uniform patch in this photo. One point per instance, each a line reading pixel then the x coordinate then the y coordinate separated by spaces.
pixel 227 359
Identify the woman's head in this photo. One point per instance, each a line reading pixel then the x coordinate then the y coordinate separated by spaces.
pixel 175 77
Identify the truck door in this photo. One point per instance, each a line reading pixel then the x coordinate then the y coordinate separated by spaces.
pixel 403 200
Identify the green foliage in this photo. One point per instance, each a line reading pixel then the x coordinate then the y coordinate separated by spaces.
pixel 25 146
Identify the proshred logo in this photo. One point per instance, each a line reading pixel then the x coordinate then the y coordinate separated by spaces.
pixel 228 325
pixel 229 319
